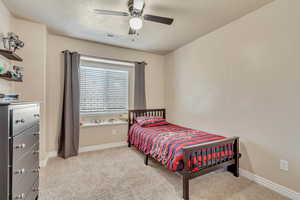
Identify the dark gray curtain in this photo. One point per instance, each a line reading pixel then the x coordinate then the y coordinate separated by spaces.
pixel 70 125
pixel 139 87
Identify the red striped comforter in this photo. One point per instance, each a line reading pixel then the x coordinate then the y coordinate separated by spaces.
pixel 164 143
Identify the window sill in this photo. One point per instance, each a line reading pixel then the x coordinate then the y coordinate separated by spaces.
pixel 104 124
pixel 103 114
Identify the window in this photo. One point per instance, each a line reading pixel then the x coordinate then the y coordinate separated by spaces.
pixel 103 90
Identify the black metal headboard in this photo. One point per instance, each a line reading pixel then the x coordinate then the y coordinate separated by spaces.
pixel 132 114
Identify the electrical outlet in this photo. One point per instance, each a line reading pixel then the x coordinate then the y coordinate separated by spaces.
pixel 284 165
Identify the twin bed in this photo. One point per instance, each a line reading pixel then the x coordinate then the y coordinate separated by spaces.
pixel 189 152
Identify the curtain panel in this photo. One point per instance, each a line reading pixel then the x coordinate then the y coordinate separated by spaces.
pixel 139 86
pixel 70 124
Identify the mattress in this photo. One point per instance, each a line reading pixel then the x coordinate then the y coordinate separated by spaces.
pixel 165 143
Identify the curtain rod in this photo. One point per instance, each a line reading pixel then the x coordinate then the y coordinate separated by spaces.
pixel 110 59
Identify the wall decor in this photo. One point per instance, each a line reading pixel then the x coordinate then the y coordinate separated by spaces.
pixel 14 75
pixel 18 72
pixel 12 42
pixel 1 69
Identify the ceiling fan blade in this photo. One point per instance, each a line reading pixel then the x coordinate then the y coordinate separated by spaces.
pixel 138 4
pixel 131 31
pixel 163 20
pixel 109 12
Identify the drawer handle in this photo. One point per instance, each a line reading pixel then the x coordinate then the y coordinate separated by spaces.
pixel 36 170
pixel 35 152
pixel 21 121
pixel 20 196
pixel 21 146
pixel 20 171
pixel 36 115
pixel 36 134
pixel 35 189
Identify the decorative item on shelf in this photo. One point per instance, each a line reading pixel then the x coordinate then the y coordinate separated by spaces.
pixel 1 39
pixel 123 117
pixel 12 42
pixel 1 69
pixel 111 120
pixel 18 72
pixel 12 76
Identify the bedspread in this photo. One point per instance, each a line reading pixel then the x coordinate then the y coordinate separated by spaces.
pixel 165 143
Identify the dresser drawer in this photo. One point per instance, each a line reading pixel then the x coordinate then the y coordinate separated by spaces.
pixel 24 118
pixel 24 142
pixel 23 180
pixel 33 192
pixel 28 165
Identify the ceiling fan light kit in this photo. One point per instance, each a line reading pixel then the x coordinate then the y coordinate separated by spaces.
pixel 136 23
pixel 136 9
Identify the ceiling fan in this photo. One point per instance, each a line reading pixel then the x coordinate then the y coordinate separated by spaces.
pixel 136 9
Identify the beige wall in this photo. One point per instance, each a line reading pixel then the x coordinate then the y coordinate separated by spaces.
pixel 103 135
pixel 33 87
pixel 5 26
pixel 243 80
pixel 95 135
pixel 5 19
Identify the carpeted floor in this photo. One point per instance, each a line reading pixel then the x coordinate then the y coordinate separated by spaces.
pixel 119 174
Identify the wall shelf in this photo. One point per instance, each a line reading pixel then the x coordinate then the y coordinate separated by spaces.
pixel 10 79
pixel 10 55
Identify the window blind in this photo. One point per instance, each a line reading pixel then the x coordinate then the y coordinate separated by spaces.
pixel 103 90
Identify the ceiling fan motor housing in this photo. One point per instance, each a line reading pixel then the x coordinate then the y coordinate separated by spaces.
pixel 133 11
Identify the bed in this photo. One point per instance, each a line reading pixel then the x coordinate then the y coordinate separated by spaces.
pixel 186 151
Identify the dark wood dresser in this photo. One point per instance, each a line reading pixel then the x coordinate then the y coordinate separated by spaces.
pixel 19 151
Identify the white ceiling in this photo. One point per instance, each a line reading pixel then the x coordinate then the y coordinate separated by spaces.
pixel 75 18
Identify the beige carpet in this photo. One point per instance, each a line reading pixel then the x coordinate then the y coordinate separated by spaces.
pixel 119 174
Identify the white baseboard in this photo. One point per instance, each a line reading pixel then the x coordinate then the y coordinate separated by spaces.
pixel 284 191
pixel 43 163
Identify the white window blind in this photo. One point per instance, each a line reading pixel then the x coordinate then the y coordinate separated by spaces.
pixel 103 90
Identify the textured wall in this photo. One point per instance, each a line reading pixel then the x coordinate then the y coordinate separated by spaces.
pixel 5 26
pixel 243 80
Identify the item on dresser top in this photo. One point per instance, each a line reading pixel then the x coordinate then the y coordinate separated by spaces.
pixel 8 97
pixel 12 42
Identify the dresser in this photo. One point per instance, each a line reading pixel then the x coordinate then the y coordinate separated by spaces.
pixel 19 151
